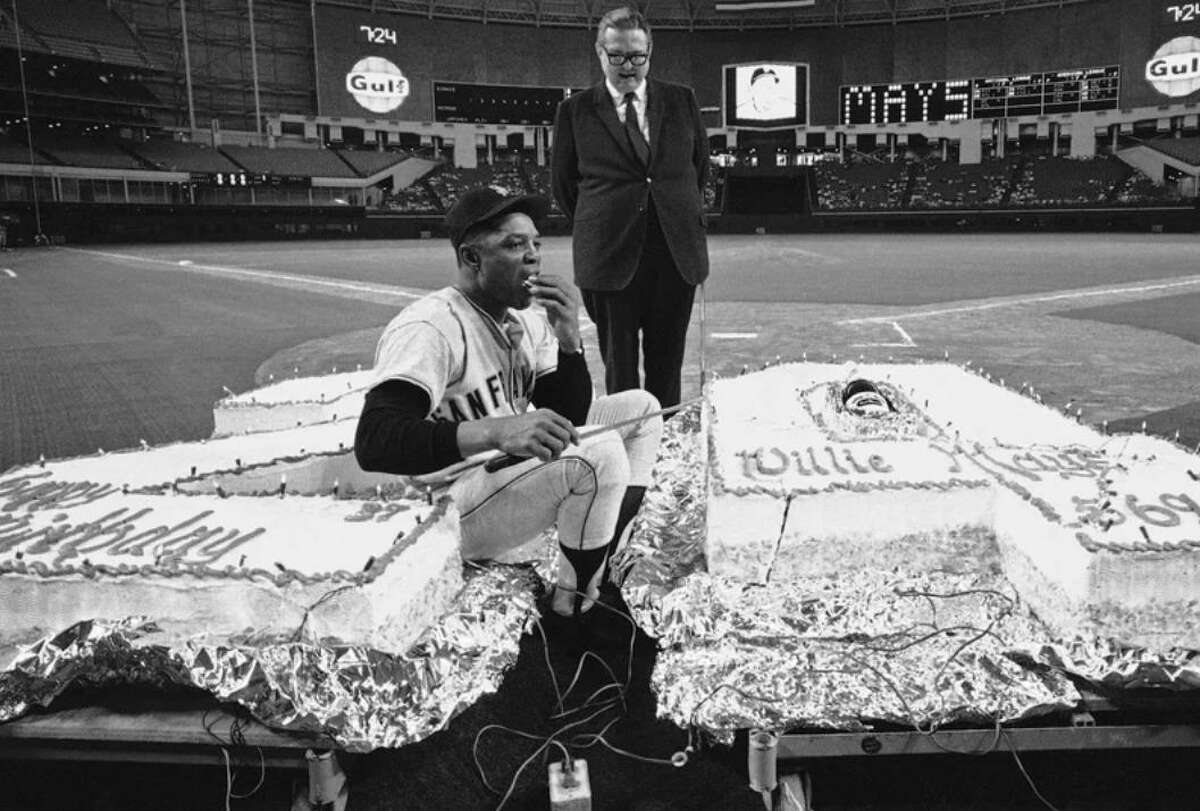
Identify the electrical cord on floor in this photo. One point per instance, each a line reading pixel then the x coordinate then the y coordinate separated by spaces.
pixel 596 705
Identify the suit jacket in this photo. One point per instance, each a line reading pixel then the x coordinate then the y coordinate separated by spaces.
pixel 604 189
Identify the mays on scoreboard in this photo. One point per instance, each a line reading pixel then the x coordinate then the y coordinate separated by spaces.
pixel 906 102
pixel 1064 91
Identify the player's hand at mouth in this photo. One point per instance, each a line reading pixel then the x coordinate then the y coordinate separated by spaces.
pixel 561 300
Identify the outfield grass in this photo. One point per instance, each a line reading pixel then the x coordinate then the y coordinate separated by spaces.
pixel 876 269
pixel 95 355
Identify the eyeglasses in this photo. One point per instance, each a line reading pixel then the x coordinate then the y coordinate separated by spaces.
pixel 616 60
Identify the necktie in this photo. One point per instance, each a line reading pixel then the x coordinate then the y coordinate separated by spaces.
pixel 633 129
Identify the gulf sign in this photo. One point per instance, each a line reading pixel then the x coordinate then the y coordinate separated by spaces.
pixel 1174 70
pixel 377 84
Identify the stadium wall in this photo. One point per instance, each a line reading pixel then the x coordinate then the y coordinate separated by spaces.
pixel 1073 36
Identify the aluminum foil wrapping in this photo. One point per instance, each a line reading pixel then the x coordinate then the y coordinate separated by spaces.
pixel 917 649
pixel 360 698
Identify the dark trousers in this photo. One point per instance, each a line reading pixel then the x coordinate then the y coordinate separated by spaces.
pixel 657 302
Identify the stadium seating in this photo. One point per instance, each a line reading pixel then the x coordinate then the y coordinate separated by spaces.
pixel 1047 182
pixel 537 180
pixel 174 156
pixel 449 183
pixel 13 152
pixel 78 29
pixel 947 185
pixel 414 199
pixel 860 186
pixel 368 162
pixel 91 152
pixel 1184 149
pixel 290 161
pixel 1139 189
pixel 711 203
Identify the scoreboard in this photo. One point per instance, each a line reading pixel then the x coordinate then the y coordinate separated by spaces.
pixel 459 103
pixel 1064 91
pixel 243 179
pixel 906 102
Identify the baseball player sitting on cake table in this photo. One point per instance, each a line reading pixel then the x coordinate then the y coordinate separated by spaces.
pixel 473 369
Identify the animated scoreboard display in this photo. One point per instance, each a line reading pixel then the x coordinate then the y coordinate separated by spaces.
pixel 1064 91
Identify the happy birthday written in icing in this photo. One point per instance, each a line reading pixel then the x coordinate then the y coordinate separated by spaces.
pixel 115 533
pixel 774 462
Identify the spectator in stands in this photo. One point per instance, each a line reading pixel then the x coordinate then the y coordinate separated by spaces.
pixel 630 157
pixel 3 234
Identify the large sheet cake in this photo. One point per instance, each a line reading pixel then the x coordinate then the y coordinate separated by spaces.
pixel 823 468
pixel 273 535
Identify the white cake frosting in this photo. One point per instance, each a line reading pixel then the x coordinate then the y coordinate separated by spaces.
pixel 274 535
pixel 288 403
pixel 163 464
pixel 1097 532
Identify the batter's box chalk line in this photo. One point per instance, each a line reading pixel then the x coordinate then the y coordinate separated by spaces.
pixel 905 339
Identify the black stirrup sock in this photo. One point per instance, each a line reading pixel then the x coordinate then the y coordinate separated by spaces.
pixel 585 562
pixel 631 502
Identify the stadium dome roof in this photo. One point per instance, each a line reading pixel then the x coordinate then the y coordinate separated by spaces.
pixel 694 14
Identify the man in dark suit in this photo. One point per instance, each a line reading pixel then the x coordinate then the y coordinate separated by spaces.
pixel 630 157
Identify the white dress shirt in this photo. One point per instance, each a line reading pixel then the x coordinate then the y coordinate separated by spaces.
pixel 639 104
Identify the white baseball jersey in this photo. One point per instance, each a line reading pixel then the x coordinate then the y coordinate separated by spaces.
pixel 470 366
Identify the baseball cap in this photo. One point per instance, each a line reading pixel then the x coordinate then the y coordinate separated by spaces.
pixel 483 204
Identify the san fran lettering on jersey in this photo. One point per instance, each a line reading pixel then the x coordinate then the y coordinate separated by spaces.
pixel 491 399
pixel 472 366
